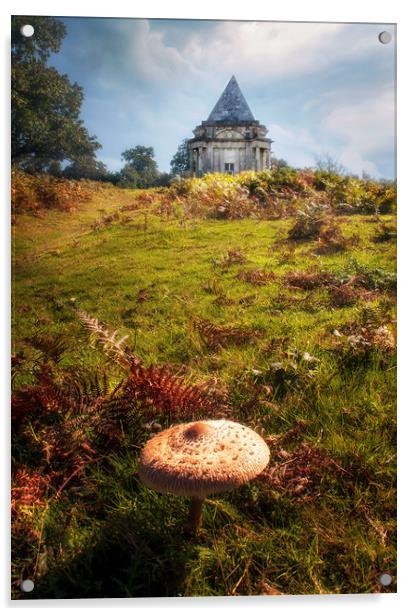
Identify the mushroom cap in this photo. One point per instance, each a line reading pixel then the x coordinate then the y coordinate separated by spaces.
pixel 202 457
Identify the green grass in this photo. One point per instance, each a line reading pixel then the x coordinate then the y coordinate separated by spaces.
pixel 108 535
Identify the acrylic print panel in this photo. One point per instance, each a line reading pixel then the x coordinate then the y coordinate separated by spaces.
pixel 204 228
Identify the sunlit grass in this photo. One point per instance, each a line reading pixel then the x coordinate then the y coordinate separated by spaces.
pixel 151 278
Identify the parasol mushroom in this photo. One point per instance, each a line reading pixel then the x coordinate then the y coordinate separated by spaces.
pixel 201 458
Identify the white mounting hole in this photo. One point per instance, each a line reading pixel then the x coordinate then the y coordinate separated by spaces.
pixel 384 37
pixel 385 579
pixel 27 585
pixel 27 30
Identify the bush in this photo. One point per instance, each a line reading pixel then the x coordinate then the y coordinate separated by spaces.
pixel 309 222
pixel 35 192
pixel 331 239
pixel 280 192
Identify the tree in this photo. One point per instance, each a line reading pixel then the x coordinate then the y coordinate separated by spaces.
pixel 180 163
pixel 330 177
pixel 329 165
pixel 45 110
pixel 141 169
pixel 278 163
pixel 87 167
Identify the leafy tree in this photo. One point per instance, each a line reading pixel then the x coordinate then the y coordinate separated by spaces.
pixel 87 167
pixel 54 168
pixel 180 163
pixel 278 163
pixel 330 177
pixel 141 169
pixel 163 179
pixel 45 111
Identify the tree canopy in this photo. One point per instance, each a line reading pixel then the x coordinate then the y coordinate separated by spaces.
pixel 87 167
pixel 141 168
pixel 45 122
pixel 180 163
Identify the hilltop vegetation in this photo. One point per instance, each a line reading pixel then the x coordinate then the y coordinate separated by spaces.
pixel 269 194
pixel 268 298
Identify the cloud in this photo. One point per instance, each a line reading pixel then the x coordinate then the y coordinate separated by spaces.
pixel 366 129
pixel 367 125
pixel 271 49
pixel 356 133
pixel 318 87
pixel 298 146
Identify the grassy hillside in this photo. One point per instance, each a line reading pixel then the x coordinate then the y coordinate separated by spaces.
pixel 293 338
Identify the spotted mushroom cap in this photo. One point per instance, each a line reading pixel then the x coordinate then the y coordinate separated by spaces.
pixel 203 457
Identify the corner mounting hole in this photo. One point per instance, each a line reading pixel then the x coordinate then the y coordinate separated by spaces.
pixel 27 30
pixel 27 585
pixel 385 579
pixel 384 37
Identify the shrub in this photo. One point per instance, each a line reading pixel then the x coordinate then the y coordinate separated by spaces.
pixel 36 192
pixel 385 233
pixel 309 222
pixel 331 239
pixel 332 184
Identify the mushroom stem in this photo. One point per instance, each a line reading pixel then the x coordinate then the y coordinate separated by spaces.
pixel 195 515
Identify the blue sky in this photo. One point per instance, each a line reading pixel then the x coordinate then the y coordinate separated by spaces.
pixel 319 88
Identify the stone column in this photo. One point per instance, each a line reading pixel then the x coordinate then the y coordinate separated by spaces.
pixel 210 158
pixel 204 159
pixel 200 161
pixel 257 159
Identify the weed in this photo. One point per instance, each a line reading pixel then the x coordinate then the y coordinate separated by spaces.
pixel 309 222
pixel 331 239
pixel 36 192
pixel 295 369
pixel 309 279
pixel 361 343
pixel 366 276
pixel 216 336
pixel 348 294
pixel 385 233
pixel 301 471
pixel 257 277
pixel 159 392
pixel 233 257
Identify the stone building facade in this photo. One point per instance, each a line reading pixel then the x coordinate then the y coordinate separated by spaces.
pixel 230 140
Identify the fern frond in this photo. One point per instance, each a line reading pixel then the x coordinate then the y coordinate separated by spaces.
pixel 158 389
pixel 116 349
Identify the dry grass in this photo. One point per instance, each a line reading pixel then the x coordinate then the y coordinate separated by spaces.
pixel 257 277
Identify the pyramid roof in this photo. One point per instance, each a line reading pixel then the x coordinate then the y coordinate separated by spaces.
pixel 231 107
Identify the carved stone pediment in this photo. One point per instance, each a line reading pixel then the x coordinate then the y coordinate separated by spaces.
pixel 229 133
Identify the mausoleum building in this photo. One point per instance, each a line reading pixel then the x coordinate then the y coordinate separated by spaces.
pixel 230 140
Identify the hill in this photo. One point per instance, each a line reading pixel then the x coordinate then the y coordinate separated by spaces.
pixel 275 301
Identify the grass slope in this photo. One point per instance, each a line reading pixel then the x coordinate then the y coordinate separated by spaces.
pixel 156 280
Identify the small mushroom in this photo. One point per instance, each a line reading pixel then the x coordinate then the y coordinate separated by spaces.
pixel 201 458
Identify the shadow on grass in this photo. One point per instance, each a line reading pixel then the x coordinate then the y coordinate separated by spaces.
pixel 128 557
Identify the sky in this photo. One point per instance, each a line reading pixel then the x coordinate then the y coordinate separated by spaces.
pixel 320 88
